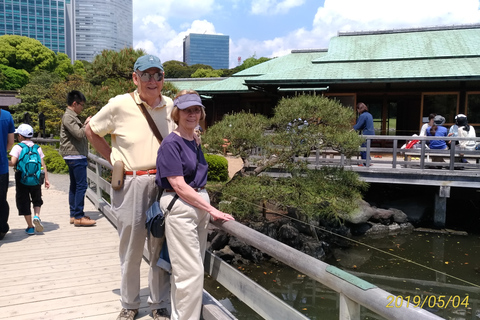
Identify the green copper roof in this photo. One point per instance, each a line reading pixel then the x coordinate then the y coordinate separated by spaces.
pixel 420 55
pixel 416 44
pixel 297 59
pixel 236 83
pixel 378 71
pixel 230 85
pixel 406 55
pixel 192 83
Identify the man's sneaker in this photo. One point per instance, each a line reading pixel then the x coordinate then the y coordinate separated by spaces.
pixel 127 314
pixel 38 224
pixel 30 231
pixel 2 235
pixel 84 222
pixel 160 314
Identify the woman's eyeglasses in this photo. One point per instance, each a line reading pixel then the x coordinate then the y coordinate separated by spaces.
pixel 145 77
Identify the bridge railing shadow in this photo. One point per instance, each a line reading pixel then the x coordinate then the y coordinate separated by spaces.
pixel 353 292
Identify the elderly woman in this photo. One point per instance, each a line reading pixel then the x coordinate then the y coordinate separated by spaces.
pixel 182 172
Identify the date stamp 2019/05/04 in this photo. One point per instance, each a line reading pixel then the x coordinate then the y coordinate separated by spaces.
pixel 430 301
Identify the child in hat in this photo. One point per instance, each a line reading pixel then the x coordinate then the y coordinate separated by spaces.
pixel 26 194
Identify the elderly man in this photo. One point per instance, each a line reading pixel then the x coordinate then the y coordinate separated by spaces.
pixel 134 143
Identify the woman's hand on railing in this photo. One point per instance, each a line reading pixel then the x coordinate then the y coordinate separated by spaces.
pixel 219 215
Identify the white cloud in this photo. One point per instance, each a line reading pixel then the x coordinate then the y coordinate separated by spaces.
pixel 155 31
pixel 354 15
pixel 272 7
pixel 167 43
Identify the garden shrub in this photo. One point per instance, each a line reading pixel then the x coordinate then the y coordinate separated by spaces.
pixel 217 168
pixel 53 160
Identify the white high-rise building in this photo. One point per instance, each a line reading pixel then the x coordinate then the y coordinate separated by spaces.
pixel 101 24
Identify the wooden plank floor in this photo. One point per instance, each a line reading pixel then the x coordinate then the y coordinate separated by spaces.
pixel 66 272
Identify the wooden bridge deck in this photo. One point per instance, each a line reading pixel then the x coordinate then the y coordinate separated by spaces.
pixel 66 272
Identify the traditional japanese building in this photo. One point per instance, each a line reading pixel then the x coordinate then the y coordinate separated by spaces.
pixel 402 75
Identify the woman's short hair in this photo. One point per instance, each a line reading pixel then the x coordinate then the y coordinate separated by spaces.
pixel 175 112
pixel 361 107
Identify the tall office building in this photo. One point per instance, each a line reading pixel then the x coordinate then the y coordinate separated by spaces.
pixel 43 20
pixel 209 49
pixel 79 28
pixel 102 24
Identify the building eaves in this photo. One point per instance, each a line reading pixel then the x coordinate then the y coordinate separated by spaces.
pixel 467 68
pixel 229 85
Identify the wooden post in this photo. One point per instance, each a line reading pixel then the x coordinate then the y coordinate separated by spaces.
pixel 440 208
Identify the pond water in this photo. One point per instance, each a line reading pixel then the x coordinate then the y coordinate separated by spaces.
pixel 418 265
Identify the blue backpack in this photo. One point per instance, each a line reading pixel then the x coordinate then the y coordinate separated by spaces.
pixel 29 165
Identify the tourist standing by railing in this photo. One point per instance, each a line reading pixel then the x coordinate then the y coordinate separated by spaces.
pixel 365 126
pixel 134 144
pixel 182 172
pixel 74 150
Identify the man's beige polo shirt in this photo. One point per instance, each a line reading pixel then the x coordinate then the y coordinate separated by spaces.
pixel 133 141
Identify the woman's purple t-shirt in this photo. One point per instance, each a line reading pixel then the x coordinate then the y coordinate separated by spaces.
pixel 178 157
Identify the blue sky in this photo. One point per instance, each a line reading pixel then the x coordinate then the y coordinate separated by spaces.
pixel 272 28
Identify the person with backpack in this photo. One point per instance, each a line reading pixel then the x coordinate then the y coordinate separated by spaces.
pixel 27 159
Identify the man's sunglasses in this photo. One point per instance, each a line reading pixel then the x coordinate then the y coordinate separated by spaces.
pixel 145 77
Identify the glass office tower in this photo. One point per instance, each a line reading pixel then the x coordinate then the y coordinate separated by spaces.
pixel 102 24
pixel 209 49
pixel 43 20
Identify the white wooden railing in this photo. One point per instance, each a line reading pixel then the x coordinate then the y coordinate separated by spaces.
pixel 353 292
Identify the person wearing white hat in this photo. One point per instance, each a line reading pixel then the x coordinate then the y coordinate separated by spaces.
pixel 24 193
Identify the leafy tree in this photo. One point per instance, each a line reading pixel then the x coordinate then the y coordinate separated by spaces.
pixel 11 78
pixel 169 89
pixel 249 62
pixel 207 73
pixel 64 65
pixel 21 52
pixel 241 132
pixel 177 69
pixel 252 61
pixel 32 94
pixel 79 68
pixel 112 64
pixel 313 193
pixel 55 102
